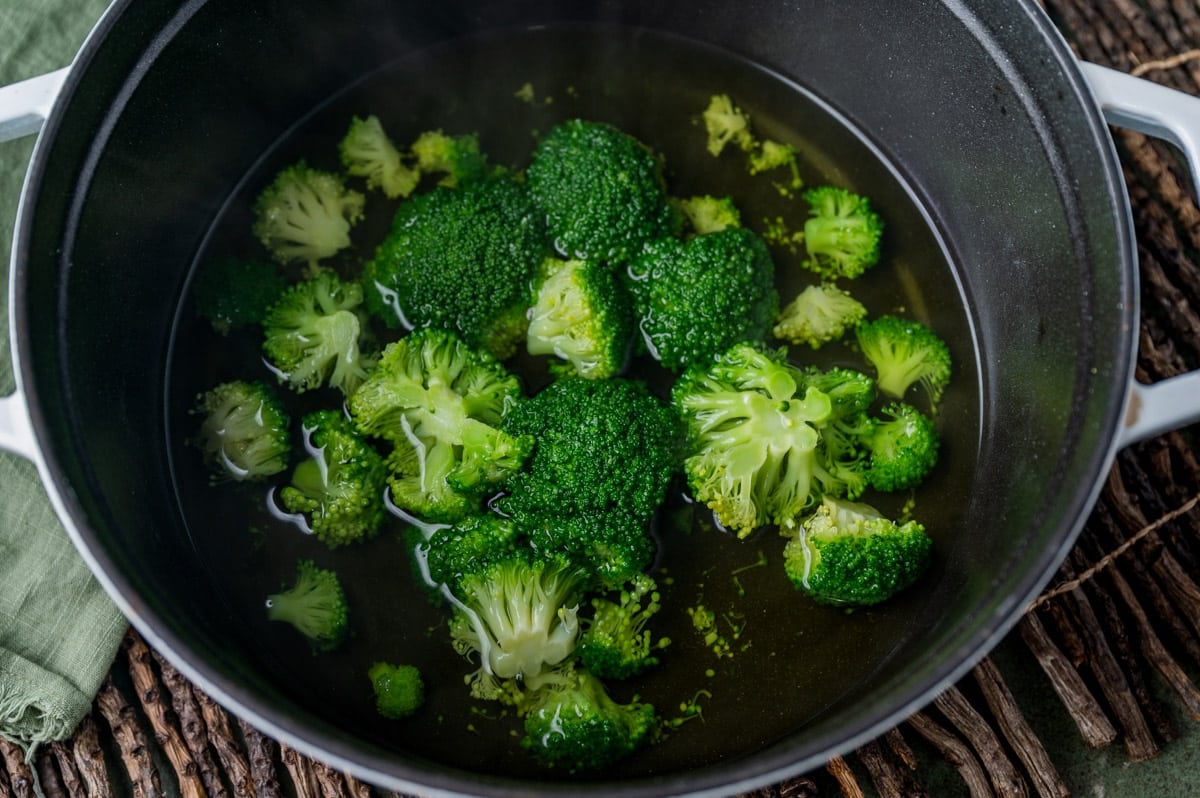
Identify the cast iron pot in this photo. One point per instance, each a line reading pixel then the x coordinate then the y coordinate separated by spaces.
pixel 981 109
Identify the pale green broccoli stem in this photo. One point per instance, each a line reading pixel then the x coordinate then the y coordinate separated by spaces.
pixel 368 152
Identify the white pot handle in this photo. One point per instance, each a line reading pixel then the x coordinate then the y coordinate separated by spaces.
pixel 16 430
pixel 1174 117
pixel 24 106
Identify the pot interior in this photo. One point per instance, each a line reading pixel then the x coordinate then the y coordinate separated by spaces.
pixel 993 172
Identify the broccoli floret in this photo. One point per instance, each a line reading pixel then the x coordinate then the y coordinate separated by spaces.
pixel 313 335
pixel 456 157
pixel 340 487
pixel 753 438
pixel 235 292
pixel 843 457
pixel 841 234
pixel 440 403
pixel 244 433
pixel 582 315
pixel 519 615
pixel 848 554
pixel 614 546
pixel 460 259
pixel 709 214
pixel 904 448
pixel 904 352
pixel 616 643
pixel 367 152
pixel 725 123
pixel 315 605
pixel 469 546
pixel 819 314
pixel 696 298
pixel 574 724
pixel 601 191
pixel 399 689
pixel 306 215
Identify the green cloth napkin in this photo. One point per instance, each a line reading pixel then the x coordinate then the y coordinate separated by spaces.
pixel 59 631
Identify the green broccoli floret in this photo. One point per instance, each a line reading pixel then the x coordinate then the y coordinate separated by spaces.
pixel 616 643
pixel 460 259
pixel 235 292
pixel 315 605
pixel 519 615
pixel 904 352
pixel 456 157
pixel 399 689
pixel 244 434
pixel 696 298
pixel 768 155
pixel 470 546
pixel 841 234
pixel 306 215
pixel 843 457
pixel 367 152
pixel 313 334
pixel 819 314
pixel 709 214
pixel 904 448
pixel 601 191
pixel 441 403
pixel 753 438
pixel 582 315
pixel 573 723
pixel 340 487
pixel 848 554
pixel 725 123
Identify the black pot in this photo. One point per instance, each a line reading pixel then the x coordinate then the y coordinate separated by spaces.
pixel 982 113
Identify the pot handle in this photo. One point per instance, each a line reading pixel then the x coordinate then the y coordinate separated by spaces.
pixel 1173 116
pixel 24 106
pixel 16 430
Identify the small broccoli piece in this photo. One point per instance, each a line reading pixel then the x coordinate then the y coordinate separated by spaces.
pixel 753 438
pixel 725 123
pixel 819 314
pixel 904 448
pixel 574 724
pixel 616 643
pixel 709 214
pixel 367 152
pixel 841 234
pixel 460 259
pixel 843 458
pixel 519 615
pixel 769 155
pixel 470 546
pixel 313 335
pixel 600 189
pixel 340 487
pixel 306 215
pixel 904 352
pixel 234 292
pixel 399 689
pixel 848 554
pixel 582 315
pixel 456 157
pixel 315 605
pixel 244 434
pixel 696 298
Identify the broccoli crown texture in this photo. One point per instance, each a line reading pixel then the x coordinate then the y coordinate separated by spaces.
pixel 306 215
pixel 819 314
pixel 726 124
pixel 753 437
pixel 614 546
pixel 696 298
pixel 904 352
pixel 236 292
pixel 709 214
pixel 244 433
pixel 904 448
pixel 470 546
pixel 843 459
pixel 601 191
pixel 460 259
pixel 582 315
pixel 399 689
pixel 312 335
pixel 340 487
pixel 315 605
pixel 574 724
pixel 458 158
pixel 841 234
pixel 616 643
pixel 847 553
pixel 367 152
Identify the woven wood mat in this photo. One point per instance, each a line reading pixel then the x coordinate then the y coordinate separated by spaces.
pixel 1116 636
